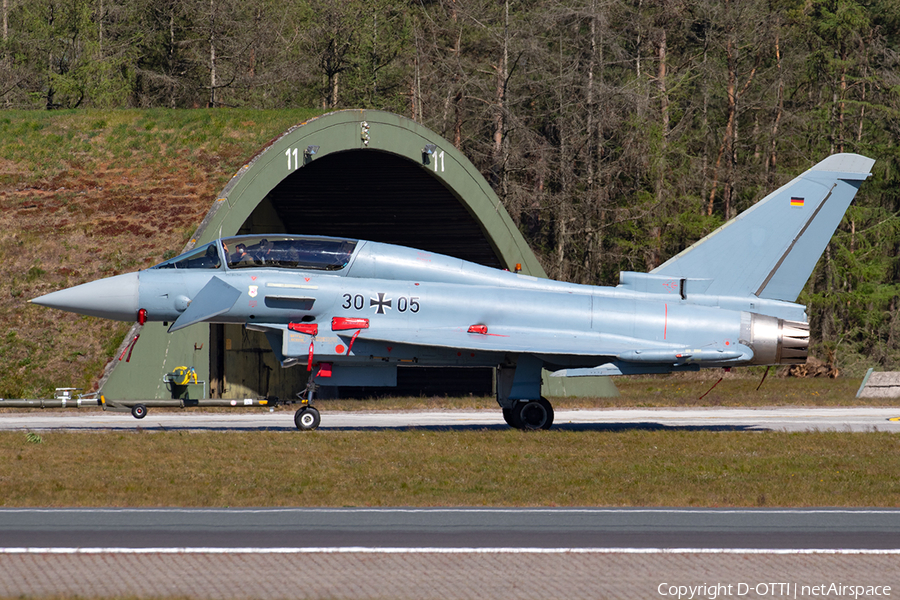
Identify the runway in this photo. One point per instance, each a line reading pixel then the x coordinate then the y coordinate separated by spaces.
pixel 716 419
pixel 445 528
pixel 445 553
pixel 534 553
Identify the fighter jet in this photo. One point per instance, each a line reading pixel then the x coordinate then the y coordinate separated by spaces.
pixel 350 311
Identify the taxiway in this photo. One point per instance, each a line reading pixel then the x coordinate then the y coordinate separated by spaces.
pixel 715 419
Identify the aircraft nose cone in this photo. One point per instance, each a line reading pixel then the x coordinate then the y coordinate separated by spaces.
pixel 110 298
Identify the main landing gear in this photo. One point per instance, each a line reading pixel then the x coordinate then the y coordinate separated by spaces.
pixel 529 414
pixel 307 417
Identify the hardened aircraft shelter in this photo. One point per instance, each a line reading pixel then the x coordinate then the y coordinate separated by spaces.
pixel 356 173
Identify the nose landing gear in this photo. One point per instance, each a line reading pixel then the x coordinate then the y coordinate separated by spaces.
pixel 307 417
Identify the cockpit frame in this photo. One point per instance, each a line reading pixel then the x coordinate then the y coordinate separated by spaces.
pixel 279 251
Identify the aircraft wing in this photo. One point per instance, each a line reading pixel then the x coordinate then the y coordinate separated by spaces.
pixel 602 347
pixel 508 340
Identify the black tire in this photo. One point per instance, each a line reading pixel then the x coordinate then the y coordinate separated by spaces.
pixel 508 417
pixel 307 418
pixel 549 408
pixel 139 411
pixel 534 414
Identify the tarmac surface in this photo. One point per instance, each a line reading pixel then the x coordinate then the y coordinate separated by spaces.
pixel 714 419
pixel 463 575
pixel 533 566
pixel 452 528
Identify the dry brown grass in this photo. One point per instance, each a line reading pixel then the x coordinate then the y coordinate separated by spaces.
pixel 736 389
pixel 451 468
pixel 739 388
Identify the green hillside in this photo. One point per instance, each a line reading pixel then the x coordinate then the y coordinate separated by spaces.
pixel 88 194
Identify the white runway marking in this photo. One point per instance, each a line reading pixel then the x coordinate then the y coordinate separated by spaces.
pixel 439 550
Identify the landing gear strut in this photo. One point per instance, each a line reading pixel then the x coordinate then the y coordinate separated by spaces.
pixel 523 381
pixel 307 418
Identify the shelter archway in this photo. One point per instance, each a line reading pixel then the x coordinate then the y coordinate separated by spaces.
pixel 355 173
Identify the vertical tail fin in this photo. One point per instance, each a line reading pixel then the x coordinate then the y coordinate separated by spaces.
pixel 770 249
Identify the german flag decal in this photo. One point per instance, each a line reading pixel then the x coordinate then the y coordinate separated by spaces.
pixel 797 202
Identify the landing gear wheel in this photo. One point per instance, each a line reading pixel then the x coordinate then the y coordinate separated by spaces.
pixel 533 414
pixel 139 411
pixel 511 416
pixel 307 418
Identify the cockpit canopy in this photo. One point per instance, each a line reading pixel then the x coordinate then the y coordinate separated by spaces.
pixel 267 251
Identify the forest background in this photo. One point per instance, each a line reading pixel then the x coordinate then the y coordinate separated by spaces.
pixel 615 132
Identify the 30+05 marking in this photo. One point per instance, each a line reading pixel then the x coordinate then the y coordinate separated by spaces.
pixel 380 303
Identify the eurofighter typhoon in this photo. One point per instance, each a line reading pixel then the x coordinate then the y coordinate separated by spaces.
pixel 349 311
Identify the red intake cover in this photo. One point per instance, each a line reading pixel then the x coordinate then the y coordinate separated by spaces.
pixel 307 328
pixel 344 323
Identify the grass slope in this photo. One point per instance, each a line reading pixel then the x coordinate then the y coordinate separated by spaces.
pixel 88 194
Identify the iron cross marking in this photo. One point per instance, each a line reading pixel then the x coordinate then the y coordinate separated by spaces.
pixel 380 303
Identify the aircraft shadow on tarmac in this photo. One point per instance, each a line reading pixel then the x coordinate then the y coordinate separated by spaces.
pixel 568 427
pixel 600 427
